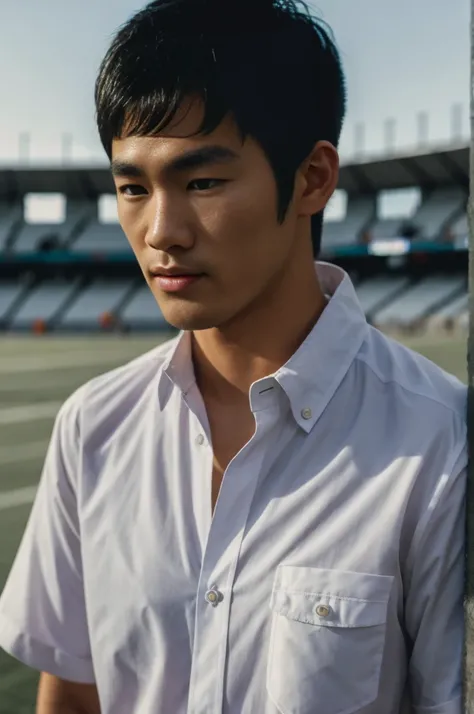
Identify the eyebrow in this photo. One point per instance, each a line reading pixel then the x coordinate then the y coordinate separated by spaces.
pixel 196 159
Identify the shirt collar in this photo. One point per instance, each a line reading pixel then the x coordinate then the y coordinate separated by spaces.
pixel 312 375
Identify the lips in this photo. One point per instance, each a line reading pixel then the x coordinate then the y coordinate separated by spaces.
pixel 175 283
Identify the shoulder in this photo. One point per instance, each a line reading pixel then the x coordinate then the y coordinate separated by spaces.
pixel 419 382
pixel 115 393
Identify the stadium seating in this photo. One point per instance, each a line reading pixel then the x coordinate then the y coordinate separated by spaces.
pixel 454 308
pixel 43 302
pixel 10 220
pixel 98 299
pixel 9 294
pixel 360 212
pixel 142 312
pixel 373 294
pixel 437 210
pixel 460 230
pixel 101 238
pixel 431 220
pixel 386 228
pixel 420 301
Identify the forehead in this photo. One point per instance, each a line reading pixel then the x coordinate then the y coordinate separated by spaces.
pixel 179 136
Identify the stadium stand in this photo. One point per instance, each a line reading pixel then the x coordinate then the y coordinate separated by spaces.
pixel 360 212
pixel 431 220
pixel 98 299
pixel 375 293
pixel 11 219
pixel 101 238
pixel 437 211
pixel 386 274
pixel 10 294
pixel 44 302
pixel 460 229
pixel 33 237
pixel 386 228
pixel 142 312
pixel 420 301
pixel 454 308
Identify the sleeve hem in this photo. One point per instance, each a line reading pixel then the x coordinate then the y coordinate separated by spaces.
pixel 44 658
pixel 452 707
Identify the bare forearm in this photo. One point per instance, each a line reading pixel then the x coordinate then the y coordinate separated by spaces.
pixel 56 696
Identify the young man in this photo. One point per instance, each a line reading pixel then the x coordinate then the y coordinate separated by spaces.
pixel 266 514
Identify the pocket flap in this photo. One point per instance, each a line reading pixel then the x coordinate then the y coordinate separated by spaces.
pixel 331 598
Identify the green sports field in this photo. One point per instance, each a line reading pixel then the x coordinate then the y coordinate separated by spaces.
pixel 36 375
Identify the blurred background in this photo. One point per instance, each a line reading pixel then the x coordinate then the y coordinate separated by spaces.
pixel 72 300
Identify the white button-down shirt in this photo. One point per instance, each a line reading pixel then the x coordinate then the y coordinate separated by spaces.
pixel 328 580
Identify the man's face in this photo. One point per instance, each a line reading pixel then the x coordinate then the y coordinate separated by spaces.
pixel 204 207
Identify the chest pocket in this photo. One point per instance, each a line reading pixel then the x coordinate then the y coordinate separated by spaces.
pixel 327 639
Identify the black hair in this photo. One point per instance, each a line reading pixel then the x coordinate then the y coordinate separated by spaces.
pixel 269 64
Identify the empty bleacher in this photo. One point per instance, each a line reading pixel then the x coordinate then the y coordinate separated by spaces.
pixel 101 238
pixel 376 292
pixel 10 221
pixel 420 301
pixel 43 302
pixel 92 303
pixel 10 293
pixel 459 230
pixel 436 212
pixel 387 228
pixel 360 212
pixel 142 312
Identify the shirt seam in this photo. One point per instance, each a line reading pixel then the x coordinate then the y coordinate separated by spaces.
pixel 406 388
pixel 327 593
pixel 428 515
pixel 436 707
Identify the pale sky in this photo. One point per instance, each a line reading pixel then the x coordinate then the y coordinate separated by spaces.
pixel 400 58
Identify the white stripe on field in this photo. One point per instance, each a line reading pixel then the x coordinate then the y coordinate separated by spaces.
pixel 23 452
pixel 20 497
pixel 29 412
pixel 45 363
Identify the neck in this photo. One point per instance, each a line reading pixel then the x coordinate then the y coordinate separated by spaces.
pixel 229 359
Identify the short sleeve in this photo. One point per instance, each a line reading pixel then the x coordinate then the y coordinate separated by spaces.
pixel 43 621
pixel 434 617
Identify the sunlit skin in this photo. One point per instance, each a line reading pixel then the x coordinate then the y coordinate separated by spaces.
pixel 258 296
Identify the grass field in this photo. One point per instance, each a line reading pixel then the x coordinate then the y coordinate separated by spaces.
pixel 35 377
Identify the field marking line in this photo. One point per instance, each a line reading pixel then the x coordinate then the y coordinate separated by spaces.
pixel 22 452
pixel 29 412
pixel 39 386
pixel 19 497
pixel 45 363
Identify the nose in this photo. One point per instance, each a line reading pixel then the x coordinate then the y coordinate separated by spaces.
pixel 168 224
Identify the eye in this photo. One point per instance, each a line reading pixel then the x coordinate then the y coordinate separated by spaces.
pixel 205 184
pixel 130 189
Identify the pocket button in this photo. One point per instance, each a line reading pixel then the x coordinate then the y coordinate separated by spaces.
pixel 322 610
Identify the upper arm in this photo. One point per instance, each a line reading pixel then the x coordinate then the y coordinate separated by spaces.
pixel 56 696
pixel 43 619
pixel 434 618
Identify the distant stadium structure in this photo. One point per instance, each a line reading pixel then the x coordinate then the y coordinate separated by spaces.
pixel 79 274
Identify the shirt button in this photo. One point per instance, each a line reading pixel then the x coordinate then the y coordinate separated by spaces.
pixel 322 610
pixel 200 440
pixel 214 597
pixel 307 413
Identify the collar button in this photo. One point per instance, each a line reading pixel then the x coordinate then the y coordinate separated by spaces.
pixel 307 414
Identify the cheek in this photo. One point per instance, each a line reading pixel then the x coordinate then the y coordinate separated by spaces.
pixel 243 221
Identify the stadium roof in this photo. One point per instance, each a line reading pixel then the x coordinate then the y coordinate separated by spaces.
pixel 429 170
pixel 449 167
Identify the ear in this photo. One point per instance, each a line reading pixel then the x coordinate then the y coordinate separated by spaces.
pixel 318 179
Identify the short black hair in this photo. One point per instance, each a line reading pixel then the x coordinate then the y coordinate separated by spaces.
pixel 270 64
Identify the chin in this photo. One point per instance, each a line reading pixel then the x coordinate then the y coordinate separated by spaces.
pixel 190 319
